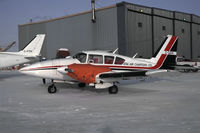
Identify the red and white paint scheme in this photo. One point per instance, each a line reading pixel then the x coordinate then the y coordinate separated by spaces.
pixel 103 69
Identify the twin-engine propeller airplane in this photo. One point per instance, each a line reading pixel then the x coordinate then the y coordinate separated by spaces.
pixel 103 69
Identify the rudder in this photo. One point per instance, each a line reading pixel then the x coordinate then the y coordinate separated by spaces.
pixel 35 46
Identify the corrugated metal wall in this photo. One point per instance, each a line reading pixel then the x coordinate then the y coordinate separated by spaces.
pixel 162 26
pixel 155 24
pixel 196 37
pixel 131 28
pixel 182 30
pixel 75 33
pixel 138 31
pixel 105 29
pixel 139 38
pixel 69 33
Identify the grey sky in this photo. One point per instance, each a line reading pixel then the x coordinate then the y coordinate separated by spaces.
pixel 14 12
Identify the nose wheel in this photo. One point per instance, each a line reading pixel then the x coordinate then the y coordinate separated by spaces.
pixel 113 89
pixel 52 89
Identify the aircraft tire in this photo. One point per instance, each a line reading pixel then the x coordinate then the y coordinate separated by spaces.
pixel 194 70
pixel 81 85
pixel 186 70
pixel 52 89
pixel 113 89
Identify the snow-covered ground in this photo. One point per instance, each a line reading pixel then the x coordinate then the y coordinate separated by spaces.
pixel 169 104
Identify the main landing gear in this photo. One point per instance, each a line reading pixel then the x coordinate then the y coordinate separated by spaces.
pixel 81 85
pixel 111 90
pixel 52 88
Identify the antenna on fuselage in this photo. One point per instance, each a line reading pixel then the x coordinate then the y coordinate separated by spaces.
pixel 135 55
pixel 115 51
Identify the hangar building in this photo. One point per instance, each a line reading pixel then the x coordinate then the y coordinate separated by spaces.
pixel 129 27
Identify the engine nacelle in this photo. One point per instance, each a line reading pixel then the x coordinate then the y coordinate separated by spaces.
pixel 85 73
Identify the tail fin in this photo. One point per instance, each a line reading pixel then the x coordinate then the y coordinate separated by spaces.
pixel 34 47
pixel 165 56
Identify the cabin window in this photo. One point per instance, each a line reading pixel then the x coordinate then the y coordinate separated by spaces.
pixel 81 57
pixel 109 59
pixel 98 59
pixel 119 60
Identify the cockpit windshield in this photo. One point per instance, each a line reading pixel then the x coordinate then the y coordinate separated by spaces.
pixel 81 57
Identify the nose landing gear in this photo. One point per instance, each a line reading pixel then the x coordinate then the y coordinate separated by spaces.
pixel 52 89
pixel 113 89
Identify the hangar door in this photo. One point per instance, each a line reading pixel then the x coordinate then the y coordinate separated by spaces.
pixel 195 41
pixel 182 30
pixel 162 28
pixel 139 34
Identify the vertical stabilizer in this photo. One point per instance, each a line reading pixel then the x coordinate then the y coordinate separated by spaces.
pixel 165 56
pixel 34 47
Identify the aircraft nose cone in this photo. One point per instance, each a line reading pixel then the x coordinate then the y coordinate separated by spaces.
pixel 23 69
pixel 28 69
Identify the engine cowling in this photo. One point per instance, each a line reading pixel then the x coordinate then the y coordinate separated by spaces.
pixel 85 73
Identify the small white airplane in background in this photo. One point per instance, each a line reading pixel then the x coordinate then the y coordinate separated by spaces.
pixel 30 53
pixel 103 69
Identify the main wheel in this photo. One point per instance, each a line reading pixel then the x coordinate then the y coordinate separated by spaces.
pixel 52 89
pixel 194 70
pixel 113 89
pixel 186 70
pixel 81 85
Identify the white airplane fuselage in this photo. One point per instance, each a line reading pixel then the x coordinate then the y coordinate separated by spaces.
pixel 30 53
pixel 48 69
pixel 7 61
pixel 54 69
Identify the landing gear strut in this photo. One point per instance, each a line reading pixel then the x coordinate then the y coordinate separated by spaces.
pixel 52 89
pixel 113 89
pixel 44 81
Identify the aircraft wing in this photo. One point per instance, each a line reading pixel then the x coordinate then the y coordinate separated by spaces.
pixel 130 73
pixel 88 73
pixel 122 74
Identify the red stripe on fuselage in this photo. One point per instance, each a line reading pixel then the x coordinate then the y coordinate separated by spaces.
pixel 157 66
pixel 45 67
pixel 171 42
